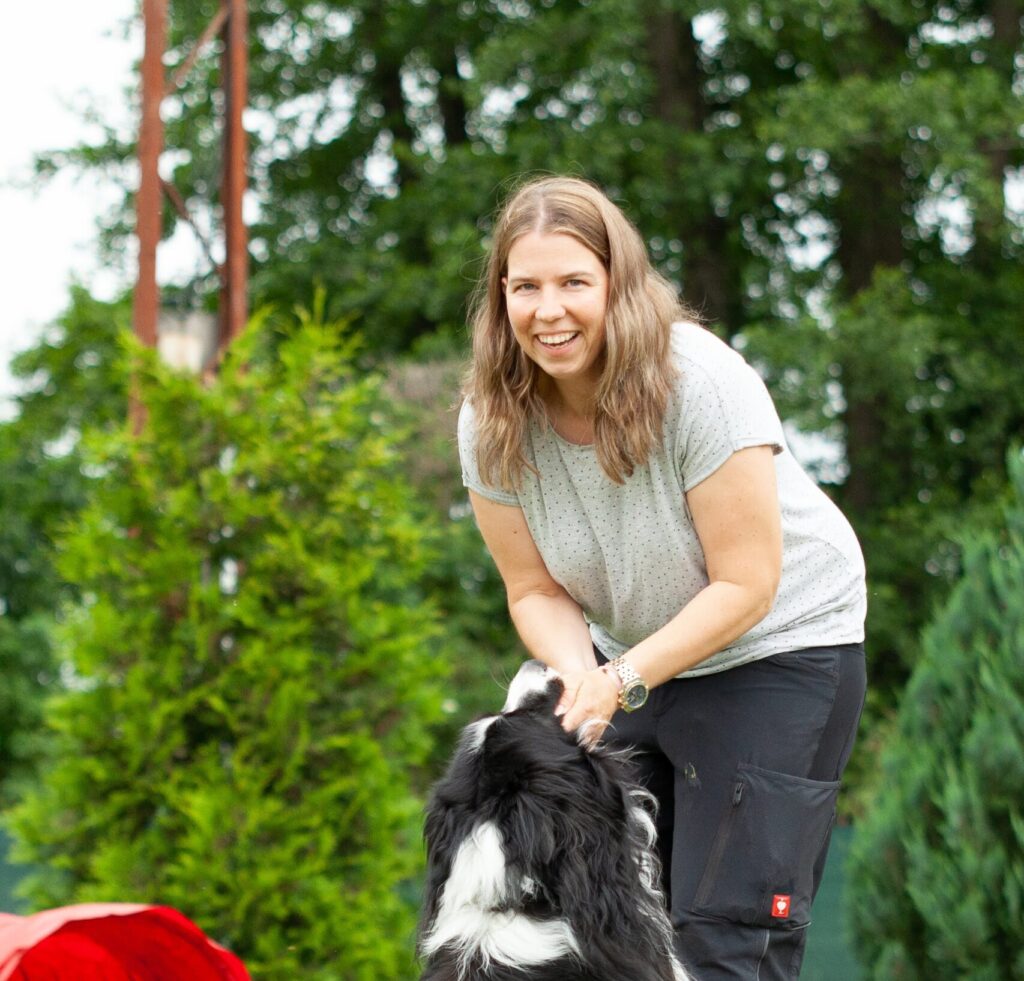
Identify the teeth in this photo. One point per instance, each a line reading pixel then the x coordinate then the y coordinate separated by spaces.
pixel 558 338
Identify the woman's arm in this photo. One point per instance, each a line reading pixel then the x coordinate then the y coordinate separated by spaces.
pixel 736 515
pixel 548 619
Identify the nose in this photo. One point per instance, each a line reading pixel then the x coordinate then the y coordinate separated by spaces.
pixel 549 309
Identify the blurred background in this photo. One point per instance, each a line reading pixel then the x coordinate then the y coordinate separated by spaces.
pixel 236 643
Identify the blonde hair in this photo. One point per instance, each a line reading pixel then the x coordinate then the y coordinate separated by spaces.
pixel 637 373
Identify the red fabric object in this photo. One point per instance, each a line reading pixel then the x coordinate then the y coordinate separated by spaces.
pixel 111 942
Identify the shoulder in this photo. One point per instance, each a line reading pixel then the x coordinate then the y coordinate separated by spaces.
pixel 468 444
pixel 721 404
pixel 707 367
pixel 695 346
pixel 467 423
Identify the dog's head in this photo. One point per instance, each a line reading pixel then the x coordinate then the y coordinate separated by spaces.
pixel 529 822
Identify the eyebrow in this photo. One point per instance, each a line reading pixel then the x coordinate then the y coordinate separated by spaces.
pixel 581 274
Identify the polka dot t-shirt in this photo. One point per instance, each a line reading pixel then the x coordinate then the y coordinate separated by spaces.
pixel 629 554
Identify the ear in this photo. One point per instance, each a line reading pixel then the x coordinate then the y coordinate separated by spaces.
pixel 597 851
pixel 604 843
pixel 554 825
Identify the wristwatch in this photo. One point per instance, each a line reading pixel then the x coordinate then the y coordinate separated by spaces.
pixel 633 693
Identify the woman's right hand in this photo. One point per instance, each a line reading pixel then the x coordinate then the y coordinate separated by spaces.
pixel 572 681
pixel 590 700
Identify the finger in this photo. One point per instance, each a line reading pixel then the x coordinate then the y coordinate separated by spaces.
pixel 577 716
pixel 567 700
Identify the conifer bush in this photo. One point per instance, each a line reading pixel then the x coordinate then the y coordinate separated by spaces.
pixel 937 867
pixel 255 667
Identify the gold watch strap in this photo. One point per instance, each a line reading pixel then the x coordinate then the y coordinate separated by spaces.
pixel 627 674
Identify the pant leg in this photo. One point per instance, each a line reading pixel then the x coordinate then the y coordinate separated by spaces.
pixel 757 753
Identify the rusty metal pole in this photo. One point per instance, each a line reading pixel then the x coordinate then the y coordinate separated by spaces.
pixel 151 142
pixel 234 306
pixel 148 203
pixel 151 139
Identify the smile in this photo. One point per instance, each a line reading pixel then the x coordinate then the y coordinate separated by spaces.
pixel 558 340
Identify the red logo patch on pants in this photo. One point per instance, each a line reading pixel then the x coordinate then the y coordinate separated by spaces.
pixel 780 906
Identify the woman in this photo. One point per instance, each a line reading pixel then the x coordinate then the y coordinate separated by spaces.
pixel 663 551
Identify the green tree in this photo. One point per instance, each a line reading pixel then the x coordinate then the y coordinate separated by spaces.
pixel 480 642
pixel 937 867
pixel 892 148
pixel 255 667
pixel 825 182
pixel 71 383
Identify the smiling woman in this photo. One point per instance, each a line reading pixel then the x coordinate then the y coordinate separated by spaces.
pixel 556 294
pixel 548 232
pixel 702 600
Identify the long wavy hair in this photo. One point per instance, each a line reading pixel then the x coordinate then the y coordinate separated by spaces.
pixel 636 377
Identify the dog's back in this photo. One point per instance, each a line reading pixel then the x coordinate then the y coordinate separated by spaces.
pixel 541 864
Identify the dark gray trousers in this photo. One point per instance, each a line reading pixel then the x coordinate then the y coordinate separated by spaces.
pixel 746 766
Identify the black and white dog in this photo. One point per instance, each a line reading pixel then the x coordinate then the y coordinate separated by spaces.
pixel 541 861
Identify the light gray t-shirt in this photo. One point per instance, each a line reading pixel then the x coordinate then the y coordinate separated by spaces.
pixel 628 553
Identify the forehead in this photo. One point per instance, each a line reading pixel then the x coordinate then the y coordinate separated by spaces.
pixel 550 253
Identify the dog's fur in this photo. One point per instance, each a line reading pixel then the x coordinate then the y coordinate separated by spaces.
pixel 541 860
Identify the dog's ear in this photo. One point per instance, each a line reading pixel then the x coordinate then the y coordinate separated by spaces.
pixel 555 805
pixel 577 833
pixel 612 894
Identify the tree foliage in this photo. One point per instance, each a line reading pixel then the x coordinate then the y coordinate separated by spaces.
pixel 255 666
pixel 825 182
pixel 480 643
pixel 938 865
pixel 71 384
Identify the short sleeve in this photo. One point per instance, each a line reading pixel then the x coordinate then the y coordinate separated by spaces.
pixel 467 455
pixel 725 407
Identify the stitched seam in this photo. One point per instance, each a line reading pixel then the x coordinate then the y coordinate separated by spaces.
pixel 764 953
pixel 814 769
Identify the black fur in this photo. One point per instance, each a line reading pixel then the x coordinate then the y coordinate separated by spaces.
pixel 568 823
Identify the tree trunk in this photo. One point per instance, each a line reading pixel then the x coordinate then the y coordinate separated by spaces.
pixel 870 219
pixel 450 100
pixel 711 283
pixel 990 226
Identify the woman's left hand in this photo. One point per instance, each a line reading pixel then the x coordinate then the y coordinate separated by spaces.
pixel 590 700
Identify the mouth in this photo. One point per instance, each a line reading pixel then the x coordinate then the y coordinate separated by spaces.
pixel 555 341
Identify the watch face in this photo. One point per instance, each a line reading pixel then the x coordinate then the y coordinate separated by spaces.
pixel 634 696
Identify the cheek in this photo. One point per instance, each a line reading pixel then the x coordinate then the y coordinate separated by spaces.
pixel 517 315
pixel 597 308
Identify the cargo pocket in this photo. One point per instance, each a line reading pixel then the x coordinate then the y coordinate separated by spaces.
pixel 761 867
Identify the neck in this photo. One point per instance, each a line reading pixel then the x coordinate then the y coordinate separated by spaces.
pixel 569 399
pixel 571 411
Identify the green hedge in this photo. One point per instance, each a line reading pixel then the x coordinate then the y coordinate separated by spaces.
pixel 937 871
pixel 255 667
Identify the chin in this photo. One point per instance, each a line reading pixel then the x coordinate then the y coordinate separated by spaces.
pixel 541 858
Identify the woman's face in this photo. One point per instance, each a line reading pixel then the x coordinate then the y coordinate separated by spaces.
pixel 556 295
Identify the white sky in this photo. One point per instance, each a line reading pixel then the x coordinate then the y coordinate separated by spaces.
pixel 55 61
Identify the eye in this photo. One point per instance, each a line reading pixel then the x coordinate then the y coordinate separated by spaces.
pixel 522 287
pixel 575 283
